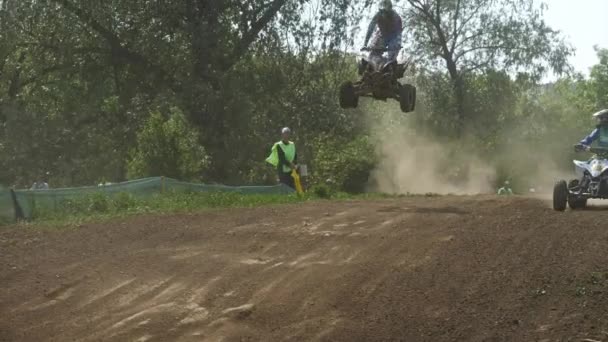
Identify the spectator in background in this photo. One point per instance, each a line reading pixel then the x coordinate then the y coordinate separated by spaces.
pixel 41 183
pixel 505 190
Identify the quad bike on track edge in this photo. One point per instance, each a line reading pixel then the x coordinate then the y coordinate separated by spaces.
pixel 592 181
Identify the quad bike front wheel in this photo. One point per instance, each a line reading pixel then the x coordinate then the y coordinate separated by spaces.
pixel 560 196
pixel 348 97
pixel 407 98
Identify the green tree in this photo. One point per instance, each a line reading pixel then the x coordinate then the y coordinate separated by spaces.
pixel 464 37
pixel 168 147
pixel 598 83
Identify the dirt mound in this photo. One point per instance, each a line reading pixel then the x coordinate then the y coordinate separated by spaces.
pixel 413 269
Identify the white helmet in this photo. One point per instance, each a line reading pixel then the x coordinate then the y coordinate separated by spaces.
pixel 602 116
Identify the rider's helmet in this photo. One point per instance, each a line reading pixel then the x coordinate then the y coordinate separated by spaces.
pixel 601 116
pixel 386 6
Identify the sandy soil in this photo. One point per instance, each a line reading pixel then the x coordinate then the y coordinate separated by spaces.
pixel 411 269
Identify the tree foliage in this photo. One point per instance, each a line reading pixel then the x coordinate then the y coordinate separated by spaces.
pixel 465 37
pixel 199 89
pixel 167 147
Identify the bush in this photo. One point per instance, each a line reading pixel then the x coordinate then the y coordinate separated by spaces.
pixel 344 165
pixel 261 173
pixel 322 191
pixel 124 201
pixel 167 148
pixel 98 203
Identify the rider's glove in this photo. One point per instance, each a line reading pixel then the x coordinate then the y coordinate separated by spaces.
pixel 581 147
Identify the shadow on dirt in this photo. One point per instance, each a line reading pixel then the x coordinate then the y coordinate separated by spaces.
pixel 594 208
pixel 595 205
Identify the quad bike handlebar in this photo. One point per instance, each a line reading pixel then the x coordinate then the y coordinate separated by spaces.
pixel 596 150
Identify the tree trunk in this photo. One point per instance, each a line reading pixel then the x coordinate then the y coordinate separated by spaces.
pixel 459 95
pixel 15 84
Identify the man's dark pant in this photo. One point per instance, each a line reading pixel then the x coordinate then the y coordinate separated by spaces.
pixel 286 179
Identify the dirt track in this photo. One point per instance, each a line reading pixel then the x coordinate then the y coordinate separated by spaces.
pixel 416 269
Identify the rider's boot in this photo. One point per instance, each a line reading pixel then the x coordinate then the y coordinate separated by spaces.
pixel 362 65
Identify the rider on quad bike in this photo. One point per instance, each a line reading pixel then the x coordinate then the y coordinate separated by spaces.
pixel 600 132
pixel 592 180
pixel 388 35
pixel 379 76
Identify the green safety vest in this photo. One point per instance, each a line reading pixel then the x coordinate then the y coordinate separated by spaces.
pixel 603 139
pixel 290 154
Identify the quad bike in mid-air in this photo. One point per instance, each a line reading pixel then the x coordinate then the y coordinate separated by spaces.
pixel 592 181
pixel 379 80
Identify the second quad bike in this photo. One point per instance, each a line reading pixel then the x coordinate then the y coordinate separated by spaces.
pixel 379 80
pixel 592 181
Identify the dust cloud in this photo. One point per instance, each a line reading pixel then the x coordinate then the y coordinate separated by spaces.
pixel 412 163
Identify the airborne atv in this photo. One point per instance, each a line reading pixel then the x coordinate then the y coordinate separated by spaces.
pixel 592 184
pixel 379 80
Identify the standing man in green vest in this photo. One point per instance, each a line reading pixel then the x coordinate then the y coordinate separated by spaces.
pixel 284 157
pixel 600 133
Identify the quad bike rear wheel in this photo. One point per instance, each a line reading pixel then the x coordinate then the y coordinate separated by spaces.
pixel 560 195
pixel 407 98
pixel 348 97
pixel 413 105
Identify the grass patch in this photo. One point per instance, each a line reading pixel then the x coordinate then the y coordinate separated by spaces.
pixel 596 283
pixel 101 207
